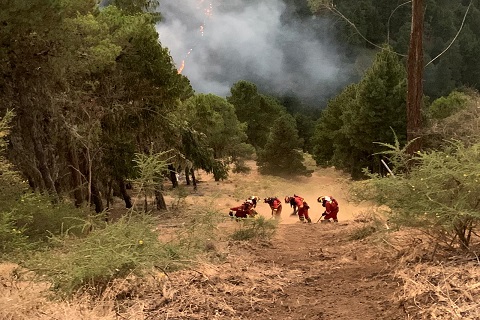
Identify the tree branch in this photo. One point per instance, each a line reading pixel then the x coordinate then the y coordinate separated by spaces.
pixel 332 8
pixel 391 14
pixel 455 38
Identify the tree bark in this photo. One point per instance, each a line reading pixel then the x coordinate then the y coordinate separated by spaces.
pixel 194 180
pixel 187 176
pixel 42 163
pixel 123 190
pixel 76 177
pixel 159 199
pixel 109 196
pixel 415 67
pixel 173 176
pixel 96 198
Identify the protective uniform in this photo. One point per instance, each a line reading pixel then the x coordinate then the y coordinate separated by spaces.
pixel 254 200
pixel 243 211
pixel 302 209
pixel 291 201
pixel 276 206
pixel 331 207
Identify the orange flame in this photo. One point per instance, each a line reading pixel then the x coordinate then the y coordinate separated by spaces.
pixel 181 67
pixel 208 12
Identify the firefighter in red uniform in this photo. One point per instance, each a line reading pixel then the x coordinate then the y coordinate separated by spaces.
pixel 302 208
pixel 276 206
pixel 243 211
pixel 331 208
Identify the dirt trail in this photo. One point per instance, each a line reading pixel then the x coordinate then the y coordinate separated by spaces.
pixel 232 192
pixel 321 273
pixel 307 271
pixel 337 278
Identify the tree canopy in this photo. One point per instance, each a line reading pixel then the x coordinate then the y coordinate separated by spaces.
pixel 363 114
pixel 282 154
pixel 389 22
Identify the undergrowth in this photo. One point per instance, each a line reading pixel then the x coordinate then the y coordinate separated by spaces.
pixel 129 245
pixel 258 228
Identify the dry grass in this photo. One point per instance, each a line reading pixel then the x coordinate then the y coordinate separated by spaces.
pixel 437 284
pixel 187 294
pixel 219 291
pixel 441 291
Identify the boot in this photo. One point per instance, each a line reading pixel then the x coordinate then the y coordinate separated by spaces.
pixel 309 220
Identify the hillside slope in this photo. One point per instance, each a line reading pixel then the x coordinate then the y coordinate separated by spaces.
pixel 306 271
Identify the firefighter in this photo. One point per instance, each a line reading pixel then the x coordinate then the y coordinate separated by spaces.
pixel 276 206
pixel 331 208
pixel 302 209
pixel 245 210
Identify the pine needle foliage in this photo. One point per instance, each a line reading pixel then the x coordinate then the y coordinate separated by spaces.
pixel 128 246
pixel 440 194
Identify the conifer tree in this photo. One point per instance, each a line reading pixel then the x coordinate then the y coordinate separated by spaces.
pixel 283 150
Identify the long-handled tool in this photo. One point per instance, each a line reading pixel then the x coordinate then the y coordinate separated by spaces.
pixel 323 214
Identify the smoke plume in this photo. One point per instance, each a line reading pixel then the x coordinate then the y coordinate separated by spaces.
pixel 218 42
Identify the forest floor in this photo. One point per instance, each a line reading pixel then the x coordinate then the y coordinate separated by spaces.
pixel 306 271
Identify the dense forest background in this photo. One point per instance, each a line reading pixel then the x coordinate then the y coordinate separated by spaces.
pixel 93 92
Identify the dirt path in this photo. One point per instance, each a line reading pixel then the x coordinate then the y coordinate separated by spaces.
pixel 308 271
pixel 337 279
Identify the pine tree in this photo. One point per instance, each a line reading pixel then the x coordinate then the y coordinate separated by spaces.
pixel 283 150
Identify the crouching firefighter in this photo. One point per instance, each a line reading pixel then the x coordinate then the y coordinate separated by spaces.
pixel 243 211
pixel 302 208
pixel 276 206
pixel 331 208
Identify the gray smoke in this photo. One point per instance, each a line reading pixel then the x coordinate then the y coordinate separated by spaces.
pixel 257 41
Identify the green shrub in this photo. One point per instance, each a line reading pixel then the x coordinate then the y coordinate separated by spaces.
pixel 199 231
pixel 255 229
pixel 440 194
pixel 129 245
pixel 241 167
pixel 40 218
pixel 446 106
pixel 12 238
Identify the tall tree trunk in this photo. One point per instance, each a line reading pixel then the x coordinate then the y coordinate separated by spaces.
pixel 123 190
pixel 42 162
pixel 194 180
pixel 159 199
pixel 187 176
pixel 76 176
pixel 96 197
pixel 173 175
pixel 415 77
pixel 108 196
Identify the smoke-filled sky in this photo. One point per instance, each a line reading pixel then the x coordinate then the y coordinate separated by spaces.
pixel 223 41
